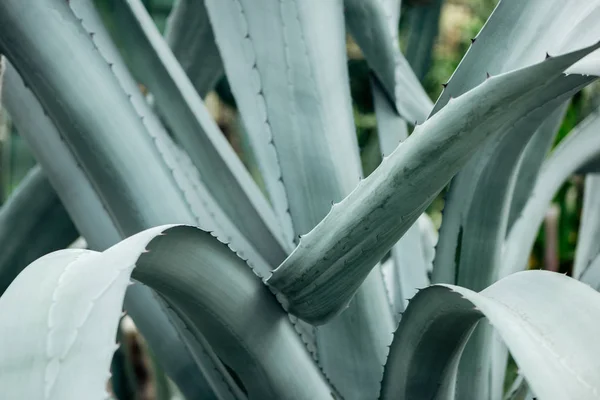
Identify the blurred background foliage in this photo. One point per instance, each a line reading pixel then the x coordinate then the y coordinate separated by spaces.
pixel 434 35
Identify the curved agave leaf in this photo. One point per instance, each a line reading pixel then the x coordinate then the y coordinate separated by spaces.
pixel 357 232
pixel 423 26
pixel 374 27
pixel 477 205
pixel 537 326
pixel 68 328
pixel 225 176
pixel 409 270
pixel 576 150
pixel 189 35
pixel 94 222
pixel 298 114
pixel 33 222
pixel 588 248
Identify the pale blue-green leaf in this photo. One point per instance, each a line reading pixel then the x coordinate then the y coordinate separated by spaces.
pixel 297 112
pixel 476 258
pixel 64 341
pixel 534 154
pixel 375 29
pixel 580 147
pixel 221 170
pixel 423 22
pixel 409 271
pixel 357 232
pixel 190 37
pixel 204 355
pixel 588 248
pixel 294 106
pixel 477 205
pixel 59 346
pixel 93 221
pixel 33 222
pixel 528 310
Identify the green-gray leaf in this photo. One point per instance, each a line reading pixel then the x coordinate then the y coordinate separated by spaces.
pixel 33 222
pixel 190 37
pixel 374 27
pixel 529 311
pixel 355 235
pixel 64 338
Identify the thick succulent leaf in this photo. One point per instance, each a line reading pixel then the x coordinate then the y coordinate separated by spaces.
pixel 537 325
pixel 357 232
pixel 190 37
pixel 372 25
pixel 93 221
pixel 477 205
pixel 409 271
pixel 576 150
pixel 538 28
pixel 534 154
pixel 295 107
pixel 69 329
pixel 423 22
pixel 298 115
pixel 588 248
pixel 33 222
pixel 89 101
pixel 221 170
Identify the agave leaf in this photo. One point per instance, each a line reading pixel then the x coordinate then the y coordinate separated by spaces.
pixel 33 222
pixel 588 249
pixel 357 232
pixel 93 221
pixel 221 170
pixel 69 328
pixel 288 97
pixel 482 232
pixel 534 154
pixel 189 35
pixel 297 112
pixel 374 27
pixel 579 148
pixel 477 205
pixel 43 349
pixel 526 312
pixel 409 271
pixel 423 22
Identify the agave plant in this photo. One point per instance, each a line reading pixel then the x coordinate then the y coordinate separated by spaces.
pixel 296 288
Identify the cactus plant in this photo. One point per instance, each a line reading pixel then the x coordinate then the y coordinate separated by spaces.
pixel 320 283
